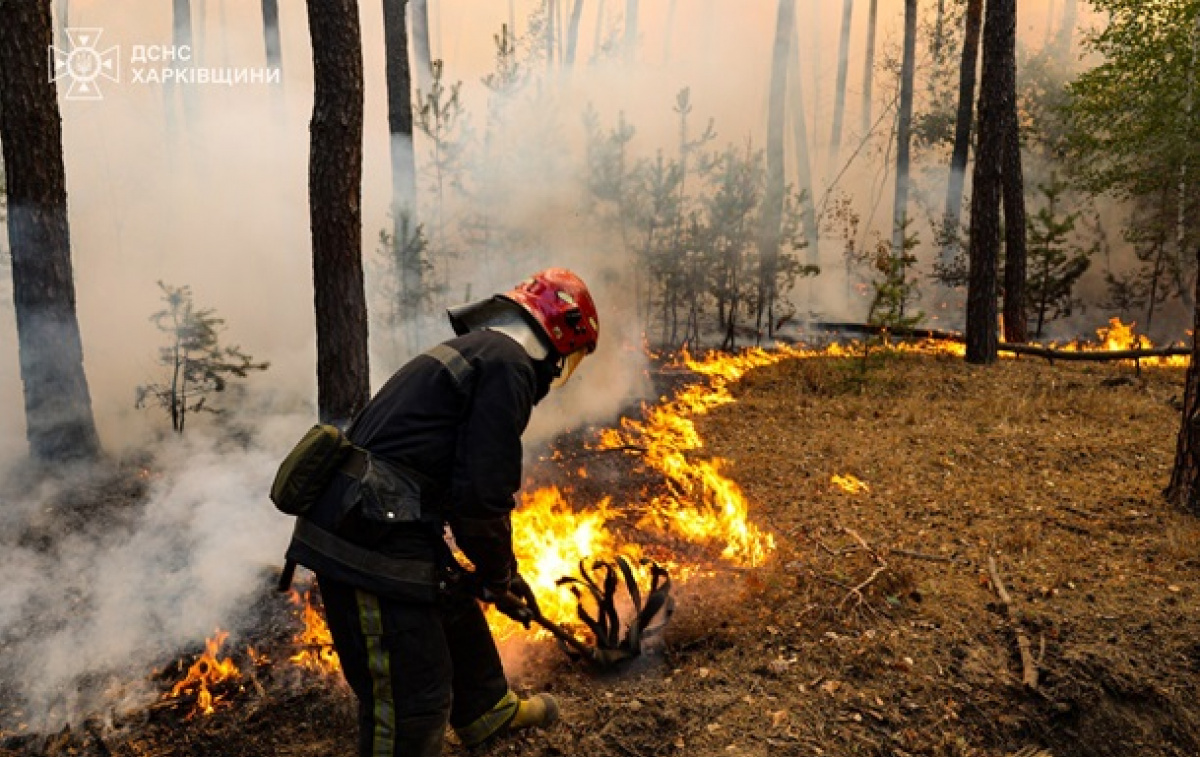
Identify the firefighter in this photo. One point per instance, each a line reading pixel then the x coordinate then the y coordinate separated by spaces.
pixel 441 447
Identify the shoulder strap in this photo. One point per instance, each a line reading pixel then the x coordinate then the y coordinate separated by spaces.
pixel 453 360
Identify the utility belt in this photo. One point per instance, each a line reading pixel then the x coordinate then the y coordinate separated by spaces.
pixel 343 537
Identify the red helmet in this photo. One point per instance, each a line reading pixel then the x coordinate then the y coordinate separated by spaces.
pixel 560 302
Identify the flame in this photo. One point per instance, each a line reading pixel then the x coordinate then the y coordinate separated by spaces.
pixel 316 642
pixel 1119 337
pixel 850 484
pixel 206 672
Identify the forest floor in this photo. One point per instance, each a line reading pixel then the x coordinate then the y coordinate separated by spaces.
pixel 877 627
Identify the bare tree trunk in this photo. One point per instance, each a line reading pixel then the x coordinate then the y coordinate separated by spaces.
pixel 573 33
pixel 869 67
pixel 839 105
pixel 1012 178
pixel 1065 38
pixel 551 28
pixel 808 208
pixel 181 39
pixel 772 210
pixel 981 336
pixel 1184 487
pixel 335 209
pixel 962 128
pixel 904 129
pixel 939 32
pixel 422 58
pixel 404 169
pixel 598 34
pixel 631 30
pixel 271 40
pixel 1181 215
pixel 58 407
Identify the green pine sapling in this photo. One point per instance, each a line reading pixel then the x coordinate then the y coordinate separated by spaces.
pixel 1054 265
pixel 198 365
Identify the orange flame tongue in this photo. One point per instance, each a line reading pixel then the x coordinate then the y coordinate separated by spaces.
pixel 317 653
pixel 206 672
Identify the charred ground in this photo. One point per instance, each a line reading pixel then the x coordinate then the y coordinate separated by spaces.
pixel 877 628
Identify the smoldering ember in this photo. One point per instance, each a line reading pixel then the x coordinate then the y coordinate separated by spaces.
pixel 621 379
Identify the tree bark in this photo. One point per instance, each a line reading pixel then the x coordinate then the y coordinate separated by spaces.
pixel 869 67
pixel 404 168
pixel 422 58
pixel 773 197
pixel 58 406
pixel 808 207
pixel 984 251
pixel 839 104
pixel 1184 487
pixel 573 34
pixel 551 26
pixel 335 212
pixel 904 129
pixel 1012 178
pixel 271 41
pixel 962 128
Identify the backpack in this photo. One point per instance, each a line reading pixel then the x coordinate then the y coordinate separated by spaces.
pixel 308 468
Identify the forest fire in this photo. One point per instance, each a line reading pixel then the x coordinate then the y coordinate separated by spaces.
pixel 695 504
pixel 204 675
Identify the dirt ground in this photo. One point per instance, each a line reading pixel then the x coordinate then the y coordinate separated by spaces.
pixel 877 628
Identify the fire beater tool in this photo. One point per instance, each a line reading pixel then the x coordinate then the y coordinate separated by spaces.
pixel 601 584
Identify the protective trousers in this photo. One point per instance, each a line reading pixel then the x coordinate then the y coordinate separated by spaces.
pixel 413 667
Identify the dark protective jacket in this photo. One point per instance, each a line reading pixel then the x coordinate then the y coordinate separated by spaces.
pixel 450 423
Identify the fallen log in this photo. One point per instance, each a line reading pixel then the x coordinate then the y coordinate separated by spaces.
pixel 1048 353
pixel 1093 355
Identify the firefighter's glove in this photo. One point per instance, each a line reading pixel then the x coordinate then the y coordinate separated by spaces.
pixel 516 601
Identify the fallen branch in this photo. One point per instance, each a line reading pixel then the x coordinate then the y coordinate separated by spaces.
pixel 1029 668
pixel 1092 355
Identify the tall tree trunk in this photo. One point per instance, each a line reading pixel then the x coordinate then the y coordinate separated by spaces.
pixel 631 30
pixel 335 209
pixel 1065 38
pixel 551 28
pixel 58 406
pixel 422 58
pixel 1184 487
pixel 181 38
pixel 271 40
pixel 869 67
pixel 1181 214
pixel 808 207
pixel 839 105
pixel 772 210
pixel 904 129
pixel 598 33
pixel 573 33
pixel 1012 178
pixel 962 128
pixel 939 32
pixel 984 251
pixel 404 169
